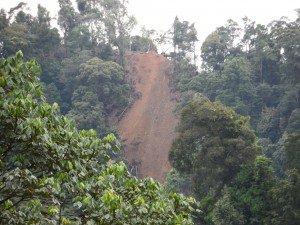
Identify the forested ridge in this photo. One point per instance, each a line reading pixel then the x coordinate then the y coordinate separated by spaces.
pixel 237 145
pixel 241 162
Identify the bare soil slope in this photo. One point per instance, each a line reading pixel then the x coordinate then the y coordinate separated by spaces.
pixel 148 128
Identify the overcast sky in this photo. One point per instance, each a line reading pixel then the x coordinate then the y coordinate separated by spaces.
pixel 206 14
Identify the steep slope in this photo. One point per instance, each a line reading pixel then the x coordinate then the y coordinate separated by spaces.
pixel 148 128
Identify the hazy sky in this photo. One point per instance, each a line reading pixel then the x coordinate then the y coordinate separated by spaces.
pixel 206 14
pixel 209 14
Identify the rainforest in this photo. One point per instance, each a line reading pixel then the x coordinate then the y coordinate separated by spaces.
pixel 100 126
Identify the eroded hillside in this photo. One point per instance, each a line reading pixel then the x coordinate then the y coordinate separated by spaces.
pixel 148 128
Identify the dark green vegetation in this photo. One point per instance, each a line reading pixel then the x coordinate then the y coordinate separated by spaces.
pixel 213 143
pixel 239 175
pixel 95 36
pixel 53 173
pixel 237 149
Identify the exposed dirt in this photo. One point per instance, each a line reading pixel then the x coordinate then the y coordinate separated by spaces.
pixel 148 128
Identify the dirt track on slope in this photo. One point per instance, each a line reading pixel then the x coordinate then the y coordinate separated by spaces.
pixel 148 128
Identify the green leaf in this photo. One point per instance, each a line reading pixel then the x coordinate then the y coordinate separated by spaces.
pixel 53 210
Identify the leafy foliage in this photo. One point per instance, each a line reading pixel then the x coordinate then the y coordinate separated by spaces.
pixel 287 201
pixel 249 195
pixel 253 70
pixel 100 89
pixel 92 31
pixel 142 44
pixel 212 144
pixel 53 173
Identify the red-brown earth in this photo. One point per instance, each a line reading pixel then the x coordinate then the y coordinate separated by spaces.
pixel 148 127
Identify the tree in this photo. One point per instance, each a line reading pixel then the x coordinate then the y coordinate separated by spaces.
pixel 68 73
pixel 108 21
pixel 292 151
pixel 142 44
pixel 268 124
pixel 219 45
pixel 257 196
pixel 294 122
pixel 212 145
pixel 286 200
pixel 207 83
pixel 15 37
pixel 67 17
pixel 287 192
pixel 237 89
pixel 119 25
pixel 286 36
pixel 106 80
pixel 36 38
pixel 249 196
pixel 177 183
pixel 184 38
pixel 87 110
pixel 213 52
pixel 262 51
pixel 3 19
pixel 46 47
pixel 53 173
pixel 225 212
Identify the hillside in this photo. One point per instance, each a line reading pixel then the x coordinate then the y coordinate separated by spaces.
pixel 148 128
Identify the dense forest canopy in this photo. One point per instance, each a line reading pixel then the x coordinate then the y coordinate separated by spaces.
pixel 237 148
pixel 253 69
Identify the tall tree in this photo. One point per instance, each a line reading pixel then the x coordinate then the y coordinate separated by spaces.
pixel 213 53
pixel 184 38
pixel 119 25
pixel 109 21
pixel 100 89
pixel 248 200
pixel 67 17
pixel 219 45
pixel 212 145
pixel 237 88
pixel 286 35
pixel 287 192
pixel 106 80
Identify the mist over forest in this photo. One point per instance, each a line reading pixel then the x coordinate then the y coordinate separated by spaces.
pixel 236 155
